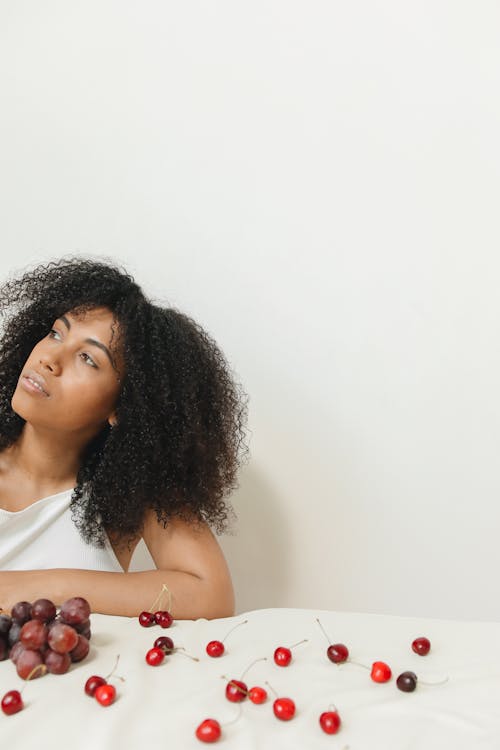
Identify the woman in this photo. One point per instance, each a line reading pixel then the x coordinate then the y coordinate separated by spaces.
pixel 119 421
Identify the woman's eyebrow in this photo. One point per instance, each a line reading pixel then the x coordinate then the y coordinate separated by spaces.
pixel 94 342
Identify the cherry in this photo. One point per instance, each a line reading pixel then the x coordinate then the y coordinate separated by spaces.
pixel 421 646
pixel 163 618
pixel 283 655
pixel 329 722
pixel 236 691
pixel 208 731
pixel 12 702
pixel 105 694
pixel 217 648
pixel 336 652
pixel 407 682
pixel 257 695
pixel 155 656
pixel 93 683
pixel 380 672
pixel 165 643
pixel 284 709
pixel 146 619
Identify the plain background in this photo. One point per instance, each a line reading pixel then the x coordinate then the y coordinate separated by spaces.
pixel 317 184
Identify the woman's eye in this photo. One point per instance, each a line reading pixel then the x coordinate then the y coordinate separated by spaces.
pixel 88 359
pixel 53 333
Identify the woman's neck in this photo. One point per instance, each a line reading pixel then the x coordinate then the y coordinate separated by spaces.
pixel 44 459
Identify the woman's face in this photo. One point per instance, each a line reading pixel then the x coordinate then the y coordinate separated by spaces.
pixel 71 380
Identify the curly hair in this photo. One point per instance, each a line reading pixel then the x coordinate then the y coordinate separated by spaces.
pixel 181 416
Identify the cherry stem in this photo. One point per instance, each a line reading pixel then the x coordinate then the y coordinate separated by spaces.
pixel 323 630
pixel 356 663
pixel 244 622
pixel 112 671
pixel 304 640
pixel 182 650
pixel 226 723
pixel 271 688
pixel 31 675
pixel 431 684
pixel 333 707
pixel 158 599
pixel 262 658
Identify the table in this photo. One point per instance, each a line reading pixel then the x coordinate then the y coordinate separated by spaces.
pixel 161 706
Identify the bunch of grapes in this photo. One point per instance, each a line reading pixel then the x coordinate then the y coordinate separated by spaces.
pixel 36 636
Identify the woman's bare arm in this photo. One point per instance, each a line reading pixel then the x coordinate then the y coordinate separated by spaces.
pixel 190 564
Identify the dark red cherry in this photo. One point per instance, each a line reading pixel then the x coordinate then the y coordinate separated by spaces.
pixel 338 653
pixel 146 619
pixel 12 702
pixel 93 683
pixel 165 643
pixel 407 682
pixel 421 646
pixel 163 618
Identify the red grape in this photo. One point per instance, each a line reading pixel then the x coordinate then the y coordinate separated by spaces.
pixel 62 638
pixel 56 663
pixel 21 612
pixel 26 663
pixel 16 649
pixel 75 611
pixel 43 609
pixel 81 649
pixel 33 634
pixel 5 623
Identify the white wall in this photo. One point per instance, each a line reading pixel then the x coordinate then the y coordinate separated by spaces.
pixel 318 184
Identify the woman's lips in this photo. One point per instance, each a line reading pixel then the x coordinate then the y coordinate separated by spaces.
pixel 32 386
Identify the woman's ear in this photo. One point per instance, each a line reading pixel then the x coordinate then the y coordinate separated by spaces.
pixel 112 420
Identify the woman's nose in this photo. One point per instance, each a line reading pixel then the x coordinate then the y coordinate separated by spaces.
pixel 50 363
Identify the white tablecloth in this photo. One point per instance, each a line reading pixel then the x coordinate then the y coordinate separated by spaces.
pixel 160 707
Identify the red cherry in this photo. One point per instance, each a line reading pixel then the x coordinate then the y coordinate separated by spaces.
pixel 257 695
pixel 12 702
pixel 329 722
pixel 209 730
pixel 338 653
pixel 381 672
pixel 282 656
pixel 215 648
pixel 163 618
pixel 236 691
pixel 105 694
pixel 155 656
pixel 146 619
pixel 421 646
pixel 165 643
pixel 93 683
pixel 284 709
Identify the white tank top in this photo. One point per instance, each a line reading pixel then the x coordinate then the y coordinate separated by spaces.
pixel 43 536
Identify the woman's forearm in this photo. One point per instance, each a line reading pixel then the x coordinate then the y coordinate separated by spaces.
pixel 125 594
